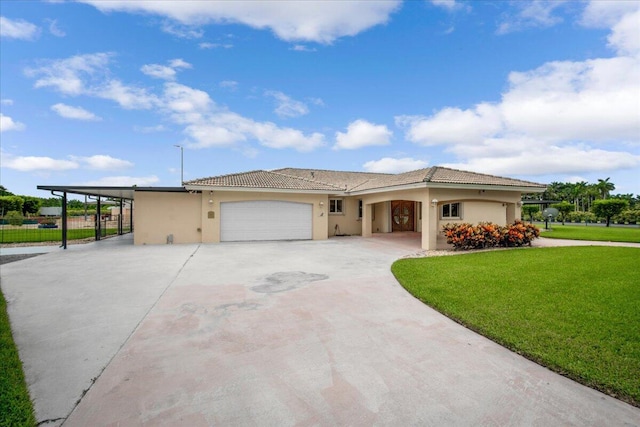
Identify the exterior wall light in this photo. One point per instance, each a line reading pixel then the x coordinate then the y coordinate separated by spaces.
pixel 434 202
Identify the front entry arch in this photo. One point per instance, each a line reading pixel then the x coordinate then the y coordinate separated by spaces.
pixel 402 215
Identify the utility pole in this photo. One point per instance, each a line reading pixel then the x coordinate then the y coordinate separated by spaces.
pixel 181 162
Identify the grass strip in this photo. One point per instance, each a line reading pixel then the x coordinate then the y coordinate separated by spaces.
pixel 575 310
pixel 48 234
pixel 16 408
pixel 593 232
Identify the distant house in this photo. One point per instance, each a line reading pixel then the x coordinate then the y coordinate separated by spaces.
pixel 299 204
pixel 51 211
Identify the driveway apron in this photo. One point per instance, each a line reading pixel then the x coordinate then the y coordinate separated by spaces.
pixel 288 333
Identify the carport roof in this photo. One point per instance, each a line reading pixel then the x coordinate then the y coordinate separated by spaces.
pixel 113 192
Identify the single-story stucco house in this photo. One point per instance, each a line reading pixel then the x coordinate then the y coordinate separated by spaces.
pixel 298 204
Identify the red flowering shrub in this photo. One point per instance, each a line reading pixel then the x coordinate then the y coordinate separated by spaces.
pixel 487 235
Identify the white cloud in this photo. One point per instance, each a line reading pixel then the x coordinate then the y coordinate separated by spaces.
pixel 124 181
pixel 32 163
pixel 287 106
pixel 531 14
pixel 542 160
pixel 7 124
pixel 103 162
pixel 18 29
pixel 54 29
pixel 452 125
pixel 562 117
pixel 229 84
pixel 361 133
pixel 163 71
pixel 182 31
pixel 302 48
pixel 77 113
pixel 391 165
pixel 209 126
pixel 204 122
pixel 67 75
pixel 447 4
pixel 89 75
pixel 179 63
pixel 129 97
pixel 208 45
pixel 159 71
pixel 321 22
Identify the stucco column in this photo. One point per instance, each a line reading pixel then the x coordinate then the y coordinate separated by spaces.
pixel 513 213
pixel 366 219
pixel 429 224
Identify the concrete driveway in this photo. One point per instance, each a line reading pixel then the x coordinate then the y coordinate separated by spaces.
pixel 288 333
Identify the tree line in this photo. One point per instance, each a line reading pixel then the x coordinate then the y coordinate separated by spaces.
pixel 586 202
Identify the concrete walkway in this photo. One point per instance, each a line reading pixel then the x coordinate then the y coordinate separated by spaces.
pixel 311 333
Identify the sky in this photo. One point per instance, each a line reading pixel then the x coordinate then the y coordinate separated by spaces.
pixel 102 92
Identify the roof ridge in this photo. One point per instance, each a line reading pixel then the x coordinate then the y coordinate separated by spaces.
pixel 305 179
pixel 333 170
pixel 430 173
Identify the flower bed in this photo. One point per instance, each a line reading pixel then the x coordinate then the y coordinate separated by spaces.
pixel 488 235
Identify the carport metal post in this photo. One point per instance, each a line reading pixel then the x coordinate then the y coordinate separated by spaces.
pixel 98 224
pixel 64 218
pixel 120 218
pixel 131 216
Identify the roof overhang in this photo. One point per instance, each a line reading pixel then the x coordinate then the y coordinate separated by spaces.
pixel 456 186
pixel 111 192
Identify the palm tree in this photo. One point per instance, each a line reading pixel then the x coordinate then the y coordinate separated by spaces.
pixel 579 191
pixel 605 187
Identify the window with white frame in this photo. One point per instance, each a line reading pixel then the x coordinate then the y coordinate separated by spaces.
pixel 451 211
pixel 336 206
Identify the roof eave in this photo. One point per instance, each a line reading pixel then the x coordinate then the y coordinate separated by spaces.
pixel 521 188
pixel 259 189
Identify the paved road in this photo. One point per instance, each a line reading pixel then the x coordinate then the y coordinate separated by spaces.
pixel 310 333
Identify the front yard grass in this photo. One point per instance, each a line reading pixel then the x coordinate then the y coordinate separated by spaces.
pixel 575 310
pixel 15 405
pixel 593 232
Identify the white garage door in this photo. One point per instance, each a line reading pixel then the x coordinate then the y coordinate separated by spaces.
pixel 265 220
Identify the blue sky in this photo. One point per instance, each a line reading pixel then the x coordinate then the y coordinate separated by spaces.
pixel 98 93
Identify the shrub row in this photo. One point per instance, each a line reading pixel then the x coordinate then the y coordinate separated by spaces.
pixel 488 235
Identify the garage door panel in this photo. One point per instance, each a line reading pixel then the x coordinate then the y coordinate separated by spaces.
pixel 265 220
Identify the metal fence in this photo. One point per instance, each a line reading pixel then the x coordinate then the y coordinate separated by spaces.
pixel 49 229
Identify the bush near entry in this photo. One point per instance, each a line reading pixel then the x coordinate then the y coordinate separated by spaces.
pixel 488 235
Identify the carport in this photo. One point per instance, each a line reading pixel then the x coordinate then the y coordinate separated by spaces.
pixel 120 194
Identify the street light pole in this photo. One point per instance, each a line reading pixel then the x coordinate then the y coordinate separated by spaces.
pixel 181 163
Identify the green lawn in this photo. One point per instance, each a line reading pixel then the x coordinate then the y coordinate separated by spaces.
pixel 593 232
pixel 15 406
pixel 23 235
pixel 575 310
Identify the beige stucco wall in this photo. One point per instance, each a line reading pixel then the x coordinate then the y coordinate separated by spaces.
pixel 195 218
pixel 211 222
pixel 157 215
pixel 348 221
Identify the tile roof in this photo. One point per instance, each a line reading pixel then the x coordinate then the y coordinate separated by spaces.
pixel 339 181
pixel 263 179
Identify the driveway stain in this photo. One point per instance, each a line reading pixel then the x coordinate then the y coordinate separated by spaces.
pixel 286 281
